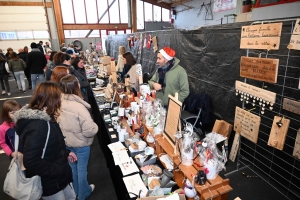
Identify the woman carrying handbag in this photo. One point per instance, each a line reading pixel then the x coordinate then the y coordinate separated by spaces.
pixel 32 128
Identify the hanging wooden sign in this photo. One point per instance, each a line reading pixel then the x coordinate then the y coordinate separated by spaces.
pixel 235 147
pixel 262 36
pixel 247 124
pixel 297 28
pixel 296 151
pixel 292 106
pixel 262 69
pixel 255 92
pixel 294 42
pixel 278 133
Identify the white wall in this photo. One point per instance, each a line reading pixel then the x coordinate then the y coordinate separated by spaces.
pixel 22 18
pixel 189 19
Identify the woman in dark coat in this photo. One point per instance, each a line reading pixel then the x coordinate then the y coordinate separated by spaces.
pixel 32 128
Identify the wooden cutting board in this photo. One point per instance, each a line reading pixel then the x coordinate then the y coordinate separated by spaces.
pixel 296 152
pixel 278 134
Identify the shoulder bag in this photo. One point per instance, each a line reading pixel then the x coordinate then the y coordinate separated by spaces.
pixel 16 184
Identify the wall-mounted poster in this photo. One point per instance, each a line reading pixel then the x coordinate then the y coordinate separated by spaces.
pixel 221 5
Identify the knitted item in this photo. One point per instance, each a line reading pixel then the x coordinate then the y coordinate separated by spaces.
pixel 155 47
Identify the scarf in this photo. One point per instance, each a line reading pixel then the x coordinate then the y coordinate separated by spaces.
pixel 162 72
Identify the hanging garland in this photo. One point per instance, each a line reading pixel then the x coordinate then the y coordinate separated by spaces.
pixel 79 46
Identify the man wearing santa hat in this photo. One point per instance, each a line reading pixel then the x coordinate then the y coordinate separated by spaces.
pixel 170 77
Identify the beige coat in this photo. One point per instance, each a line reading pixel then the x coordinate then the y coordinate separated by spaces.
pixel 76 122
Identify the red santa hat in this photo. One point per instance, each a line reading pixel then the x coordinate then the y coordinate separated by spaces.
pixel 167 53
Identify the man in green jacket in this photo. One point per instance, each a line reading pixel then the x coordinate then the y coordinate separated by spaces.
pixel 170 77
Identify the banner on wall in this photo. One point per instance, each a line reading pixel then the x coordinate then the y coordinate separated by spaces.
pixel 221 5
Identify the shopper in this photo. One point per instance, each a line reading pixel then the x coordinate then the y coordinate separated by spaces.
pixel 130 69
pixel 7 128
pixel 59 59
pixel 170 77
pixel 9 54
pixel 17 67
pixel 4 77
pixel 32 128
pixel 79 130
pixel 58 73
pixel 50 65
pixel 47 47
pixel 36 61
pixel 79 72
pixel 23 55
pixel 40 46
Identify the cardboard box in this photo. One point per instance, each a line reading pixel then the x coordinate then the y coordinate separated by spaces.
pixel 166 190
pixel 181 197
pixel 151 161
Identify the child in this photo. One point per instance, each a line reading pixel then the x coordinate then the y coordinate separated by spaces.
pixel 7 128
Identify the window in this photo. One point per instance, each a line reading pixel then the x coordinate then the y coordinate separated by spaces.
pixel 114 12
pixel 157 13
pixel 120 32
pixel 165 15
pixel 25 35
pixel 140 14
pixel 40 34
pixel 148 12
pixel 102 11
pixel 128 31
pixel 95 33
pixel 111 32
pixel 67 11
pixel 91 11
pixel 124 11
pixel 8 35
pixel 79 9
pixel 75 33
pixel 103 33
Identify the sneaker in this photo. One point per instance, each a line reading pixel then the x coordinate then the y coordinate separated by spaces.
pixel 3 92
pixel 8 94
pixel 93 187
pixel 24 91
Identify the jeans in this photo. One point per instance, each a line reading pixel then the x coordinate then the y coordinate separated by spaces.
pixel 4 81
pixel 34 77
pixel 65 194
pixel 20 77
pixel 79 171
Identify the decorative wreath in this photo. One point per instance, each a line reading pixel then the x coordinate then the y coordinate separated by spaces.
pixel 78 43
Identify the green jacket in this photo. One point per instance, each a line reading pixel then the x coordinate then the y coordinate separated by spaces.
pixel 176 81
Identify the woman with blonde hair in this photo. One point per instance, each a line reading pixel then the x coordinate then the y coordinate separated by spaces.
pixel 120 64
pixel 79 130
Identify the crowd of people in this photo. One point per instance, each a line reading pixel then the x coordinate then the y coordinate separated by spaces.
pixel 59 85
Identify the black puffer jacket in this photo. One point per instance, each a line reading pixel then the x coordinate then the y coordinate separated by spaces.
pixel 2 68
pixel 54 169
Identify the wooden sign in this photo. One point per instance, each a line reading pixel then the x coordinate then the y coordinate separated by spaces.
pixel 262 36
pixel 172 119
pixel 222 127
pixel 292 106
pixel 247 124
pixel 296 151
pixel 235 147
pixel 278 132
pixel 268 43
pixel 262 69
pixel 261 30
pixel 297 28
pixel 294 42
pixel 256 91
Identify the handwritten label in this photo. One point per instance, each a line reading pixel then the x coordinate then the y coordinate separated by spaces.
pixel 262 36
pixel 262 69
pixel 261 30
pixel 292 106
pixel 260 43
pixel 247 124
pixel 278 132
pixel 294 42
pixel 256 91
pixel 297 27
pixel 235 147
pixel 296 151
